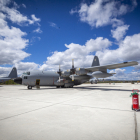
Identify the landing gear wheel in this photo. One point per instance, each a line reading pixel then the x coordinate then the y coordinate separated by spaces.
pixel 29 87
pixel 57 86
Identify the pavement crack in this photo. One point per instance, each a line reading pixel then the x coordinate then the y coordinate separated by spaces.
pixel 136 129
pixel 38 109
pixel 98 107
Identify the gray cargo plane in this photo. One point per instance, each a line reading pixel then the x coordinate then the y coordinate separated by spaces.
pixel 69 78
pixel 13 74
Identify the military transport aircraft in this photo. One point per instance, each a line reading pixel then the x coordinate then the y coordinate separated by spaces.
pixel 13 74
pixel 69 78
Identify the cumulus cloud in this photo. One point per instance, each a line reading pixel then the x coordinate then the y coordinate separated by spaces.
pixel 15 16
pixel 101 13
pixel 26 66
pixel 128 50
pixel 38 30
pixel 4 71
pixel 119 32
pixel 12 39
pixel 81 54
pixel 21 67
pixel 12 43
pixel 121 75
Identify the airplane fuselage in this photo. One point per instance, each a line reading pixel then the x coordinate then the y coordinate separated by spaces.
pixel 49 78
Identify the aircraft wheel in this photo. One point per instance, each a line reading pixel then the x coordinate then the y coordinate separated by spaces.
pixel 57 86
pixel 29 87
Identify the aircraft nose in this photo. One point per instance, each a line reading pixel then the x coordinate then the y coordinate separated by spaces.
pixel 18 80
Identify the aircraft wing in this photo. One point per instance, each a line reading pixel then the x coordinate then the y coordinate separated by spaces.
pixel 112 66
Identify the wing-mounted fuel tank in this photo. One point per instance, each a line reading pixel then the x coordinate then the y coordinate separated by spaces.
pixel 81 71
pixel 81 77
pixel 100 74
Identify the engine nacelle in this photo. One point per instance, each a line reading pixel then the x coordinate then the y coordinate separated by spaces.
pixel 66 73
pixel 81 71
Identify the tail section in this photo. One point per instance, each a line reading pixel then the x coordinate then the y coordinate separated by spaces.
pixel 13 73
pixel 95 61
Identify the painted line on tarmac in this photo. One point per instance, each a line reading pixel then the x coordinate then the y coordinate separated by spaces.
pixel 41 108
pixel 98 107
pixel 136 129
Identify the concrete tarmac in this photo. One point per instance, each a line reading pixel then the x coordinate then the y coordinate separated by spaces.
pixel 85 112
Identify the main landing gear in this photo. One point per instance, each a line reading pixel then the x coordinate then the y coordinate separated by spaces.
pixel 29 87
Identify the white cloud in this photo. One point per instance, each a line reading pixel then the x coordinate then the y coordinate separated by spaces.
pixel 24 5
pixel 4 71
pixel 38 30
pixel 103 12
pixel 119 32
pixel 73 11
pixel 128 50
pixel 12 41
pixel 81 54
pixel 33 39
pixel 26 66
pixel 121 75
pixel 21 67
pixel 53 25
pixel 15 16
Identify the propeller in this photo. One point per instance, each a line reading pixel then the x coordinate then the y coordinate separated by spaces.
pixel 59 72
pixel 72 70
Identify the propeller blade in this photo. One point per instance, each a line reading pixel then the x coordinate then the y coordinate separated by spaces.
pixel 72 63
pixel 72 77
pixel 59 78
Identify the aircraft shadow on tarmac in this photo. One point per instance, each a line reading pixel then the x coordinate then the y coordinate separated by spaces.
pixel 83 88
pixel 104 89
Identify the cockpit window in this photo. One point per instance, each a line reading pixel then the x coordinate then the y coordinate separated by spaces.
pixel 26 73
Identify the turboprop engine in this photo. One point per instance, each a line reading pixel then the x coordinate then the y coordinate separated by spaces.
pixel 100 74
pixel 66 73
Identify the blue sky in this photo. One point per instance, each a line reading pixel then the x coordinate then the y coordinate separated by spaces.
pixel 41 34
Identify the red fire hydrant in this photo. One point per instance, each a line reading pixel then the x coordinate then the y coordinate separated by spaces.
pixel 135 99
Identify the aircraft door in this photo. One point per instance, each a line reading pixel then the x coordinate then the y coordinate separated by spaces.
pixel 37 82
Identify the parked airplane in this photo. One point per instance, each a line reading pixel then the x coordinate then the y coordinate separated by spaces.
pixel 69 78
pixel 13 74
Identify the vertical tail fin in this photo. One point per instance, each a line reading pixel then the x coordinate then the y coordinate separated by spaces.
pixel 95 61
pixel 13 73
